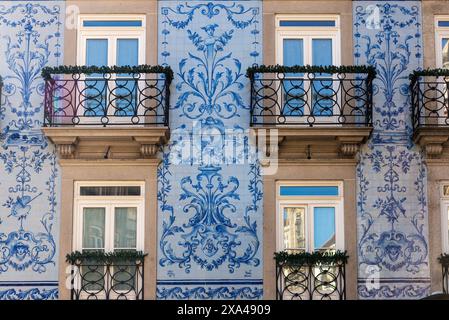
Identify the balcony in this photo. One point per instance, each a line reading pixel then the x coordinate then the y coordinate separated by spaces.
pixel 321 110
pixel 430 104
pixel 107 276
pixel 311 276
pixel 111 112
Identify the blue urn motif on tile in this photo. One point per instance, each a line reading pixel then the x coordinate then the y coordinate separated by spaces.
pixel 392 203
pixel 210 233
pixel 31 38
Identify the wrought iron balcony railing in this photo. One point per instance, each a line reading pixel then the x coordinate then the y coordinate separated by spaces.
pixel 107 96
pixel 430 98
pixel 113 276
pixel 444 260
pixel 311 276
pixel 311 95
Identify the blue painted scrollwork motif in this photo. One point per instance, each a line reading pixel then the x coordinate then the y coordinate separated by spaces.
pixel 393 249
pixel 390 52
pixel 210 81
pixel 202 293
pixel 209 238
pixel 23 249
pixel 31 38
pixel 27 52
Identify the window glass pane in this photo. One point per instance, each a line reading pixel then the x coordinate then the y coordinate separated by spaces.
pixel 445 46
pixel 93 228
pixel 294 94
pixel 126 90
pixel 446 190
pixel 309 191
pixel 322 52
pixel 294 228
pixel 96 87
pixel 322 90
pixel 125 235
pixel 110 191
pixel 127 52
pixel 324 228
pixel 97 52
pixel 293 52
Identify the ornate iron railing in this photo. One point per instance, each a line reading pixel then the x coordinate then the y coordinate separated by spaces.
pixel 316 276
pixel 107 96
pixel 311 95
pixel 430 98
pixel 100 276
pixel 444 260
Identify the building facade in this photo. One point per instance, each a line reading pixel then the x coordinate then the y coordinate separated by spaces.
pixel 168 149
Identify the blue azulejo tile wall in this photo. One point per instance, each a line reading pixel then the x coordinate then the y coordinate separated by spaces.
pixel 393 252
pixel 30 38
pixel 210 204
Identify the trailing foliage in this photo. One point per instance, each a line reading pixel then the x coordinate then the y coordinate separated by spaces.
pixel 104 257
pixel 444 259
pixel 429 73
pixel 371 71
pixel 307 258
pixel 48 71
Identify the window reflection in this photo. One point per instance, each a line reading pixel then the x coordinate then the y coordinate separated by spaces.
pixel 294 228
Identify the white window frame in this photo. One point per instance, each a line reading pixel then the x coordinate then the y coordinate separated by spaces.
pixel 444 204
pixel 307 34
pixel 109 202
pixel 110 33
pixel 440 34
pixel 310 202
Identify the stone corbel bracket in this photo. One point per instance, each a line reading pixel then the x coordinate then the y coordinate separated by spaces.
pixel 432 140
pixel 146 140
pixel 347 140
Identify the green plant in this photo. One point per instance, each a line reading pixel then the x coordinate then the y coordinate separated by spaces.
pixel 47 72
pixel 371 71
pixel 105 257
pixel 307 258
pixel 429 73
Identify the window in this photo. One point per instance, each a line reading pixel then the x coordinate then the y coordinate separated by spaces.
pixel 308 40
pixel 310 216
pixel 442 56
pixel 445 216
pixel 111 40
pixel 117 40
pixel 108 217
pixel 442 42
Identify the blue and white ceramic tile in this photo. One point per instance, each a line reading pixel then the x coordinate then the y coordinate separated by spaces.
pixel 393 253
pixel 31 38
pixel 210 216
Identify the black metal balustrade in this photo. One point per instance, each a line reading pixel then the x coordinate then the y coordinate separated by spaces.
pixel 311 276
pixel 311 95
pixel 107 96
pixel 100 276
pixel 430 98
pixel 444 260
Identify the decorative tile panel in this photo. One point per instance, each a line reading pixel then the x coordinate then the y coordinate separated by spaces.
pixel 210 204
pixel 393 252
pixel 30 38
